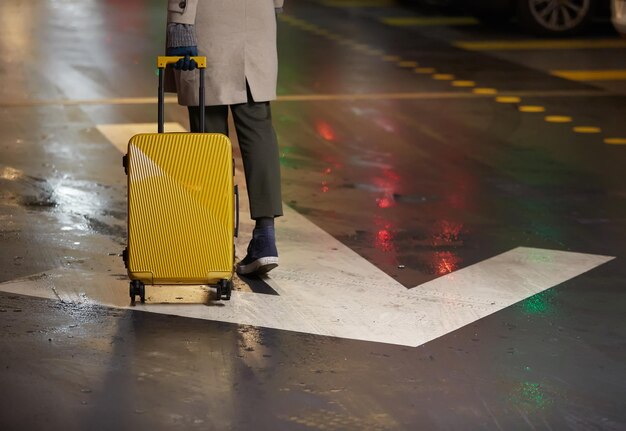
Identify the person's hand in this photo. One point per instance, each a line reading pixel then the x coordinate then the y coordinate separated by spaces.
pixel 184 51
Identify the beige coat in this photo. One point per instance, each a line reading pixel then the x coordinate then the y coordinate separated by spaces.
pixel 238 37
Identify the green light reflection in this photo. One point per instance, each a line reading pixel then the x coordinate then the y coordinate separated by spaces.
pixel 539 304
pixel 530 395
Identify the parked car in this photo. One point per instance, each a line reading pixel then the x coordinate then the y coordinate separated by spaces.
pixel 618 12
pixel 543 17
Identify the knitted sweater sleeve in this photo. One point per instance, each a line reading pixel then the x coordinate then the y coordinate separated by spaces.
pixel 181 35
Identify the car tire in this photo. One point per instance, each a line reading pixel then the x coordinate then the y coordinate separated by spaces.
pixel 554 17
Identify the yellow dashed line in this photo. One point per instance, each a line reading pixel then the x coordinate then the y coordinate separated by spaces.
pixel 515 45
pixel 391 58
pixel 587 129
pixel 463 84
pixel 558 119
pixel 485 91
pixel 531 108
pixel 615 141
pixel 508 99
pixel 591 75
pixel 575 75
pixel 429 21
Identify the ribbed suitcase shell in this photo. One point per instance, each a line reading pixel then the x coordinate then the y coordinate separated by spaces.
pixel 180 208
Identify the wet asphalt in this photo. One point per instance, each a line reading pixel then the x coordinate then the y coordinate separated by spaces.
pixel 419 177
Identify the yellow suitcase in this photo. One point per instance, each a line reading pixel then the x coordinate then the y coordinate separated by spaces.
pixel 182 206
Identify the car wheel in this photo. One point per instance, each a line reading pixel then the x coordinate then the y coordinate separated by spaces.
pixel 555 17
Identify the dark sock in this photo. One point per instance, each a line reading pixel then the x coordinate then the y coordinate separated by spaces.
pixel 263 222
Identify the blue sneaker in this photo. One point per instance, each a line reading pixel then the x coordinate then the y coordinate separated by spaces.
pixel 262 255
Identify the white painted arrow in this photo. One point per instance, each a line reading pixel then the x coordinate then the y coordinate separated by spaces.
pixel 326 288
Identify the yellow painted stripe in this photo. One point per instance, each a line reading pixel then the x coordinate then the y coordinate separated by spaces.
pixel 515 45
pixel 443 77
pixel 370 51
pixel 485 91
pixel 429 21
pixel 425 70
pixel 514 97
pixel 587 129
pixel 615 141
pixel 591 75
pixel 508 99
pixel 463 84
pixel 72 102
pixel 375 51
pixel 558 119
pixel 390 58
pixel 531 108
pixel 407 64
pixel 374 96
pixel 17 103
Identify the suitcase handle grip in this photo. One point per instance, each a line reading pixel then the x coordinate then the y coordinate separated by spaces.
pixel 162 62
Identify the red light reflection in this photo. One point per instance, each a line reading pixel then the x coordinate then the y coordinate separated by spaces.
pixel 388 184
pixel 391 175
pixel 385 202
pixel 325 130
pixel 384 240
pixel 446 262
pixel 448 231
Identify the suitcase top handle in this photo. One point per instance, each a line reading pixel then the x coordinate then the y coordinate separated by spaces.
pixel 163 61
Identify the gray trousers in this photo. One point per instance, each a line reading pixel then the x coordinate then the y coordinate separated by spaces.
pixel 259 150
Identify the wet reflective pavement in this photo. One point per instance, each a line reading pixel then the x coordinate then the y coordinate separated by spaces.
pixel 451 251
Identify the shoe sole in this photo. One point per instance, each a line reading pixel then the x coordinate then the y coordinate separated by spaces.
pixel 262 265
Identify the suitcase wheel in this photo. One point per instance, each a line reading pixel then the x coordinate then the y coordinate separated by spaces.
pixel 137 288
pixel 125 257
pixel 224 289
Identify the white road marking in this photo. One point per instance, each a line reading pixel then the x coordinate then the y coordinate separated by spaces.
pixel 326 288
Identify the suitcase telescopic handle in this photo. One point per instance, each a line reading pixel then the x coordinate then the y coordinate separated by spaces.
pixel 162 62
pixel 236 211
